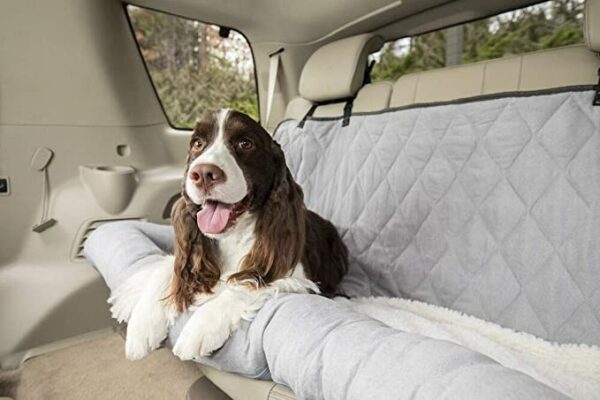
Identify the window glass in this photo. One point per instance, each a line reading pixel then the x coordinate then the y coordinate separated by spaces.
pixel 193 68
pixel 541 26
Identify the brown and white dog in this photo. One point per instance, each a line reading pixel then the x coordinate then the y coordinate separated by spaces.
pixel 242 234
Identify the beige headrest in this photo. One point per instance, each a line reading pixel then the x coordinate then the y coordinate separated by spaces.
pixel 337 70
pixel 591 24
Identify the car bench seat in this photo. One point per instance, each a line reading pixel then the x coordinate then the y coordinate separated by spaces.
pixel 549 69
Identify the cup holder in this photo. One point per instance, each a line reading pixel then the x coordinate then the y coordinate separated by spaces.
pixel 111 185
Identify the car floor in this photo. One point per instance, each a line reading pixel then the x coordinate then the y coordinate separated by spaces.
pixel 98 369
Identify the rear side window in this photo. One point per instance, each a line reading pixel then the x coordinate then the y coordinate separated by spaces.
pixel 194 66
pixel 546 25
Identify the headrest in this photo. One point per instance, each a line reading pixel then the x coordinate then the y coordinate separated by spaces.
pixel 591 24
pixel 337 70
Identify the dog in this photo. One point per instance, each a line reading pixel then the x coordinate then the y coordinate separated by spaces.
pixel 242 235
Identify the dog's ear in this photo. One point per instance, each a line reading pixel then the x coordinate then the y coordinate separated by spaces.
pixel 280 229
pixel 195 270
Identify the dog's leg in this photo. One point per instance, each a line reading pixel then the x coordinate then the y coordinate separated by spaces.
pixel 150 318
pixel 213 322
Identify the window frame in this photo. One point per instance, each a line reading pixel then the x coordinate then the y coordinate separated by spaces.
pixel 468 21
pixel 139 50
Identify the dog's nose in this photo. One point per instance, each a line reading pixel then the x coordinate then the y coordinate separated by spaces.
pixel 207 175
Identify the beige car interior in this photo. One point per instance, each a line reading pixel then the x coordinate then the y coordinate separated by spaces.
pixel 73 84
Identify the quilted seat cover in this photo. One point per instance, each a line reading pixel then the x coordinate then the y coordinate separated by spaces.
pixel 489 206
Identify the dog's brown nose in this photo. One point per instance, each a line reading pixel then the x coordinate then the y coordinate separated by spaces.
pixel 206 175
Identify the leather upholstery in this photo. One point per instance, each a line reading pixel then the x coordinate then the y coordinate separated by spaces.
pixel 592 24
pixel 336 70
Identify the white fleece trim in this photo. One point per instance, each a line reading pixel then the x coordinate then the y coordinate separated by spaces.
pixel 573 369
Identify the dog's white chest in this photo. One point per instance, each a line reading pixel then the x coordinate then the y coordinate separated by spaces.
pixel 235 245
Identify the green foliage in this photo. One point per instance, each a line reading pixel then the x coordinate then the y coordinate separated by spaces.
pixel 190 91
pixel 552 24
pixel 426 52
pixel 193 68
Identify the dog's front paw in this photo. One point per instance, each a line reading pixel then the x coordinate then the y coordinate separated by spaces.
pixel 136 347
pixel 201 337
pixel 144 334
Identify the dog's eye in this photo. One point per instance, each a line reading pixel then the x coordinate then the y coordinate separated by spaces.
pixel 245 144
pixel 198 143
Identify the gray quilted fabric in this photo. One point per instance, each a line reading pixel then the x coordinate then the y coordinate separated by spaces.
pixel 490 207
pixel 322 349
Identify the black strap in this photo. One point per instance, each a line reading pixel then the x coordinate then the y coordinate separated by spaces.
pixel 310 112
pixel 596 101
pixel 347 112
pixel 345 119
pixel 367 78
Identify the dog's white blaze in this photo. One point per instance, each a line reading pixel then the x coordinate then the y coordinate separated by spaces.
pixel 235 187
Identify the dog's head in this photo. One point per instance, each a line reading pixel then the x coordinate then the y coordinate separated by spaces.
pixel 232 166
pixel 235 170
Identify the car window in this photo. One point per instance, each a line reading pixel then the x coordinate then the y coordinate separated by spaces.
pixel 194 66
pixel 541 26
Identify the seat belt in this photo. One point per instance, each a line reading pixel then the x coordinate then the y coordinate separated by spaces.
pixel 273 71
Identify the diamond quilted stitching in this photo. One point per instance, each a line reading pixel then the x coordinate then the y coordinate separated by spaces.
pixel 447 279
pixel 559 211
pixel 507 136
pixel 566 132
pixel 479 175
pixel 583 322
pixel 595 303
pixel 532 172
pixel 400 128
pixel 553 286
pixel 583 100
pixel 396 254
pixel 423 140
pixel 585 179
pixel 502 210
pixel 430 240
pixel 535 115
pixel 378 207
pixel 369 178
pixel 520 313
pixel 410 266
pixel 402 177
pixel 581 256
pixel 470 303
pixel 526 250
pixel 415 208
pixel 484 118
pixel 455 209
pixel 497 286
pixel 425 292
pixel 357 241
pixel 385 148
pixel 437 177
pixel 458 142
pixel 396 233
pixel 474 245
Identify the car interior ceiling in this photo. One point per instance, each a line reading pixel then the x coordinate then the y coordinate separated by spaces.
pixel 84 140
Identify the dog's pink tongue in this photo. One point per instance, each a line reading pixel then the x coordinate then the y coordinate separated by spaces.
pixel 213 217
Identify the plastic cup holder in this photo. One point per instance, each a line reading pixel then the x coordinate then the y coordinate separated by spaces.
pixel 112 186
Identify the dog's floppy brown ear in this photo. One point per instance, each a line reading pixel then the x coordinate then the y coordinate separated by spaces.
pixel 280 229
pixel 195 269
